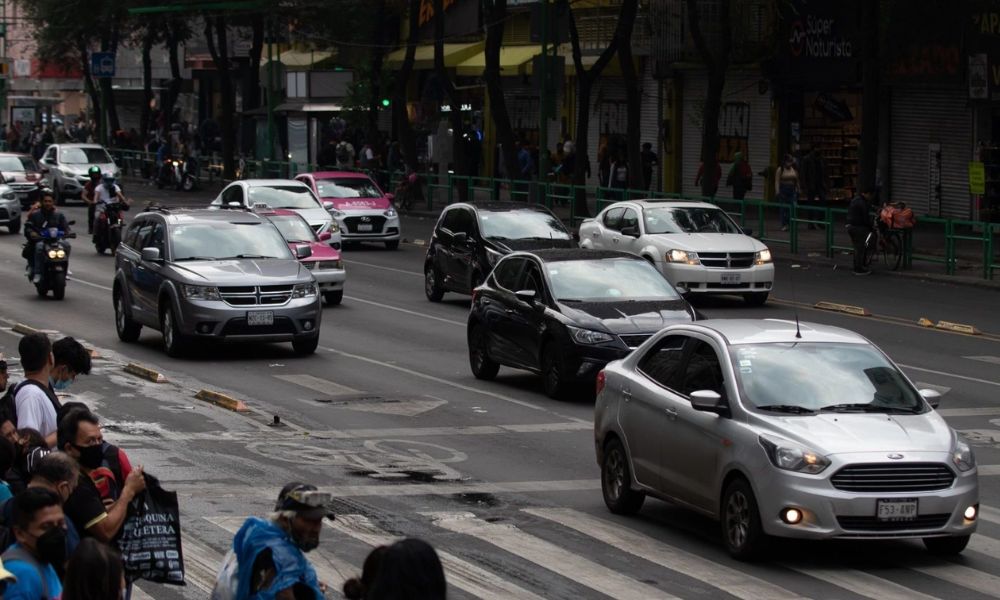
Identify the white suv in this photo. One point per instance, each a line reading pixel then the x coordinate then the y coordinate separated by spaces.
pixel 68 165
pixel 696 246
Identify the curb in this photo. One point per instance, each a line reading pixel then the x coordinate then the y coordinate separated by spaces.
pixel 222 400
pixel 857 311
pixel 145 373
pixel 973 282
pixel 958 328
pixel 23 329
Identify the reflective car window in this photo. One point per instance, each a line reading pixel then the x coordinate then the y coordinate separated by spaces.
pixel 85 156
pixel 463 221
pixel 602 280
pixel 630 219
pixel 157 238
pixel 221 240
pixel 293 228
pixel 17 163
pixel 347 187
pixel 613 218
pixel 662 363
pixel 142 236
pixel 703 372
pixel 508 273
pixel 132 236
pixel 526 224
pixel 532 280
pixel 282 196
pixel 688 219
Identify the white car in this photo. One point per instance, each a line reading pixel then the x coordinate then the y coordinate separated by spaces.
pixel 68 165
pixel 279 194
pixel 696 245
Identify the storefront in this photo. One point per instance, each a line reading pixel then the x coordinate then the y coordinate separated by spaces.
pixel 982 35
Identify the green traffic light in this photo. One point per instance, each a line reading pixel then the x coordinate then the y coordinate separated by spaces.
pixel 385 102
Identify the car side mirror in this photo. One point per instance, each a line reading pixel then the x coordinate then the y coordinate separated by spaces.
pixel 326 236
pixel 460 238
pixel 933 397
pixel 303 251
pixel 630 231
pixel 526 296
pixel 390 196
pixel 709 401
pixel 328 205
pixel 747 231
pixel 151 255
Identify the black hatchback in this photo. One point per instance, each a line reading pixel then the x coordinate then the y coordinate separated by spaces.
pixel 470 238
pixel 565 314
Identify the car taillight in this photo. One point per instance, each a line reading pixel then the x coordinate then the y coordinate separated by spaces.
pixel 601 379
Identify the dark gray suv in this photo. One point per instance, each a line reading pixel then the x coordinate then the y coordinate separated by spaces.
pixel 215 275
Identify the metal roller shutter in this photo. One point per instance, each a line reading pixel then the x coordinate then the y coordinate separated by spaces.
pixel 921 117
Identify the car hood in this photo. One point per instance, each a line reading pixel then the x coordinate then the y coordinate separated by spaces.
pixel 628 317
pixel 836 433
pixel 709 242
pixel 352 204
pixel 243 271
pixel 314 216
pixel 508 246
pixel 83 169
pixel 22 176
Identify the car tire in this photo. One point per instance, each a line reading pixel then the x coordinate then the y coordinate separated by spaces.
pixel 755 298
pixel 306 346
pixel 554 377
pixel 616 481
pixel 483 367
pixel 947 546
pixel 393 245
pixel 127 329
pixel 432 283
pixel 742 531
pixel 334 298
pixel 174 342
pixel 14 226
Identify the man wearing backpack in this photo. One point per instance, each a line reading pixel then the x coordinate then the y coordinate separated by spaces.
pixel 35 403
pixel 40 529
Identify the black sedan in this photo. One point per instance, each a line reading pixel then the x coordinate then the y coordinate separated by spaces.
pixel 566 313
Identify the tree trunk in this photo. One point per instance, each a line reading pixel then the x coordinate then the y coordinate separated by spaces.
pixel 377 58
pixel 407 140
pixel 495 17
pixel 88 84
pixel 174 88
pixel 633 99
pixel 147 81
pixel 111 107
pixel 252 95
pixel 218 46
pixel 458 158
pixel 870 104
pixel 716 63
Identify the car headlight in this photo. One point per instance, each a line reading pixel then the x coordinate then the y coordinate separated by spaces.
pixel 9 196
pixel 338 214
pixel 324 265
pixel 790 456
pixel 762 258
pixel 201 292
pixel 681 256
pixel 493 256
pixel 962 456
pixel 390 213
pixel 334 227
pixel 588 336
pixel 304 290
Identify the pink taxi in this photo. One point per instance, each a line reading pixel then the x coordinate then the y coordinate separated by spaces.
pixel 364 212
pixel 323 261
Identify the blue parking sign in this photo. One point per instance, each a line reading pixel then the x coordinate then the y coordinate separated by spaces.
pixel 102 64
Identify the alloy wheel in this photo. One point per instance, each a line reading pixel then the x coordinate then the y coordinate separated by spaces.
pixel 614 476
pixel 737 519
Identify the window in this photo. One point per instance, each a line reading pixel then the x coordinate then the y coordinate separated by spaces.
pixel 450 220
pixel 142 235
pixel 630 219
pixel 613 218
pixel 233 193
pixel 662 363
pixel 85 156
pixel 51 154
pixel 157 239
pixel 703 370
pixel 463 222
pixel 296 84
pixel 532 280
pixel 508 273
pixel 132 236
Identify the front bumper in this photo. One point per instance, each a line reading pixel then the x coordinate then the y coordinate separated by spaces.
pixel 583 362
pixel 699 279
pixel 382 228
pixel 832 513
pixel 10 212
pixel 215 319
pixel 330 280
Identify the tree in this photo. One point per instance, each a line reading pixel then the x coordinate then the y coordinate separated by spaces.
pixel 407 139
pixel 459 162
pixel 633 99
pixel 495 16
pixel 218 46
pixel 716 62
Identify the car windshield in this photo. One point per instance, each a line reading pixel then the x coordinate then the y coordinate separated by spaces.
pixel 283 196
pixel 218 240
pixel 618 279
pixel 688 219
pixel 85 156
pixel 521 225
pixel 17 163
pixel 347 187
pixel 829 377
pixel 293 228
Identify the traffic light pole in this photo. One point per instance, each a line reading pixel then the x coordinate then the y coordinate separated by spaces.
pixel 543 131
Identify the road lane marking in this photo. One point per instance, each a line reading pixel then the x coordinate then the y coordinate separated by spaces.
pixel 373 266
pixel 316 384
pixel 402 408
pixel 94 285
pixel 989 513
pixel 464 575
pixel 988 470
pixel 953 375
pixel 986 359
pixel 984 545
pixel 962 576
pixel 545 554
pixel 862 583
pixel 405 311
pixel 731 581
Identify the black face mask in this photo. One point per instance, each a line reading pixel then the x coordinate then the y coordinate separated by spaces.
pixel 51 546
pixel 91 457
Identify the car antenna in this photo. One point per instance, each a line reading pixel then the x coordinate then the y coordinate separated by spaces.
pixel 795 302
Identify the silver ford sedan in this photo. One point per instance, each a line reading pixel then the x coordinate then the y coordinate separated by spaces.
pixel 782 429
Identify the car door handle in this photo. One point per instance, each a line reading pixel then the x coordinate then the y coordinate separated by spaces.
pixel 626 394
pixel 671 412
pixel 509 311
pixel 487 301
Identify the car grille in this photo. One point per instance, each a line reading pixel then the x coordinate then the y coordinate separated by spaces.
pixel 282 325
pixel 726 260
pixel 376 222
pixel 873 524
pixel 4 214
pixel 264 295
pixel 23 187
pixel 634 341
pixel 890 477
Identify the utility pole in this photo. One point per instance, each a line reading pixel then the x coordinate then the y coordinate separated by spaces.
pixel 543 131
pixel 270 89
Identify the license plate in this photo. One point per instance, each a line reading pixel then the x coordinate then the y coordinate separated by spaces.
pixel 260 317
pixel 730 278
pixel 365 227
pixel 902 509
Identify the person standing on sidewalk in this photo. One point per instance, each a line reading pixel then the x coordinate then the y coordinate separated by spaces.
pixel 786 186
pixel 740 176
pixel 858 227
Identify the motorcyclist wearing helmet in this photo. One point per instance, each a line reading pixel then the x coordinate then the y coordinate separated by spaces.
pixel 89 196
pixel 45 217
pixel 107 192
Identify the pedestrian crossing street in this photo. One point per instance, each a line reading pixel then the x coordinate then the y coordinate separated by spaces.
pixel 559 552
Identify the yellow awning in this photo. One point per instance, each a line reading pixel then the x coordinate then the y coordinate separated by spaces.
pixel 424 56
pixel 512 58
pixel 300 58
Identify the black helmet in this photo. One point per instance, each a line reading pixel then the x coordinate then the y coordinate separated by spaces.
pixel 94 170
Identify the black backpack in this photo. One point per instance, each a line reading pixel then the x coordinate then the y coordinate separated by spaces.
pixel 8 400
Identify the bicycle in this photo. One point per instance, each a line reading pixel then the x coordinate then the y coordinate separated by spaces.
pixel 885 241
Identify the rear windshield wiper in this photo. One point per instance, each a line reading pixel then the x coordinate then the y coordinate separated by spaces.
pixel 868 408
pixel 787 408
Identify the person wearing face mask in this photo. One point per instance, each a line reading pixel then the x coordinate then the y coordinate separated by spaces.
pixel 69 359
pixel 40 530
pixel 80 437
pixel 115 466
pixel 57 473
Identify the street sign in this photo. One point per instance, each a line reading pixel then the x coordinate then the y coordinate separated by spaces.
pixel 102 64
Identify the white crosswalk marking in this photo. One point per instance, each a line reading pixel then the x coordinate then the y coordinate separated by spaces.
pixel 545 554
pixel 862 584
pixel 985 545
pixel 732 581
pixel 963 576
pixel 463 575
pixel 988 513
pixel 201 564
pixel 138 594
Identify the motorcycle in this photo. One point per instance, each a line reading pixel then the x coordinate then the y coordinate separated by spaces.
pixel 55 262
pixel 108 227
pixel 179 174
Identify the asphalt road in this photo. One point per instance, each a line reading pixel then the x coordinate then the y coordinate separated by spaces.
pixel 501 479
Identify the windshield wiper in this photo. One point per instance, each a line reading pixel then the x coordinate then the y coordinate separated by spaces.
pixel 569 300
pixel 249 256
pixel 787 408
pixel 195 258
pixel 868 408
